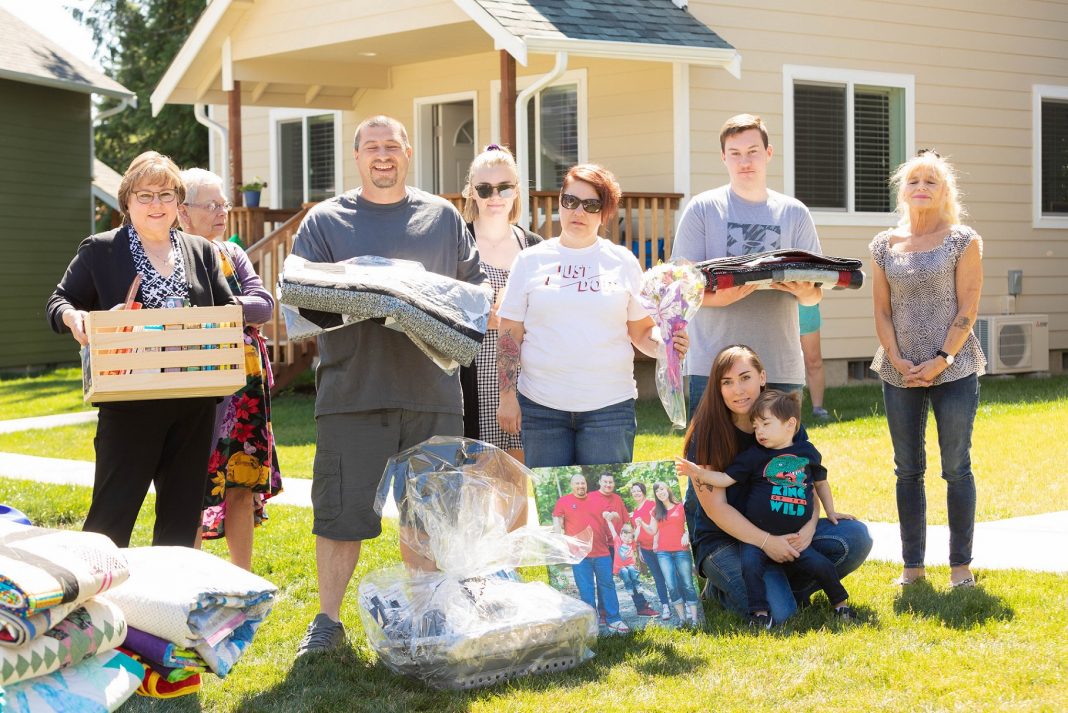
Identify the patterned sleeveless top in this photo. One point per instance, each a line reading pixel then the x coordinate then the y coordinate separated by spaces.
pixel 923 299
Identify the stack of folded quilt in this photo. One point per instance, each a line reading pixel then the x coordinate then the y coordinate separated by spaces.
pixel 189 612
pixel 57 632
pixel 762 269
pixel 445 318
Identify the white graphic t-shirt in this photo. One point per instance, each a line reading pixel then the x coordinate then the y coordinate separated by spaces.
pixel 574 306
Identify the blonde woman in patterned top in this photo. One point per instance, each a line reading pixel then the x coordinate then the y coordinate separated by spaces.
pixel 927 277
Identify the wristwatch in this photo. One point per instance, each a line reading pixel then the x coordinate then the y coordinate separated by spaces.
pixel 947 357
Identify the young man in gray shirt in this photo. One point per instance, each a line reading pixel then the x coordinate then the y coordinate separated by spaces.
pixel 741 218
pixel 376 393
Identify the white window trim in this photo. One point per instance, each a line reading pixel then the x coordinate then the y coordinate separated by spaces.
pixel 849 77
pixel 422 177
pixel 277 115
pixel 1038 93
pixel 573 76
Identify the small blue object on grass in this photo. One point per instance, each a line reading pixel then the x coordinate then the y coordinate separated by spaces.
pixel 9 513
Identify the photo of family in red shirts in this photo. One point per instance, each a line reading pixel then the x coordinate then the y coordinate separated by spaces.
pixel 639 570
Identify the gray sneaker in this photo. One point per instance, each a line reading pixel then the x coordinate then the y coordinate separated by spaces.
pixel 324 634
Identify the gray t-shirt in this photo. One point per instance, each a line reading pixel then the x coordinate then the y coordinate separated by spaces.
pixel 367 366
pixel 719 223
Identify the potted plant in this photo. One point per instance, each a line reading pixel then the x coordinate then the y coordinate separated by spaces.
pixel 251 191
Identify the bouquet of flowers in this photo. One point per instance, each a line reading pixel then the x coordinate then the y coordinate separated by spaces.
pixel 672 293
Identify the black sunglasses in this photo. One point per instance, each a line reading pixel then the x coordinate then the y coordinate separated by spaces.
pixel 590 205
pixel 504 190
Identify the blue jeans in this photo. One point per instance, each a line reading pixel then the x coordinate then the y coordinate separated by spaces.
pixel 653 563
pixel 846 545
pixel 678 572
pixel 599 569
pixel 954 404
pixel 554 438
pixel 698 384
pixel 811 563
pixel 629 577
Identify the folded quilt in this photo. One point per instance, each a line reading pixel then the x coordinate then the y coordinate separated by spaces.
pixel 444 317
pixel 195 600
pixel 96 626
pixel 16 630
pixel 162 654
pixel 42 568
pixel 764 268
pixel 158 685
pixel 100 683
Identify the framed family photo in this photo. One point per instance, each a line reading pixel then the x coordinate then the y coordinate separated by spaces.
pixel 639 571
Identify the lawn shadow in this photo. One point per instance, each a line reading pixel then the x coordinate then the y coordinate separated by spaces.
pixel 182 704
pixel 957 608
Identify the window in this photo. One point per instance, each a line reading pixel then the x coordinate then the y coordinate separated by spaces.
pixel 1050 183
pixel 845 133
pixel 304 162
pixel 556 127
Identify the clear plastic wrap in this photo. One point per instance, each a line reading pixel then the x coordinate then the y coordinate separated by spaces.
pixel 472 622
pixel 672 294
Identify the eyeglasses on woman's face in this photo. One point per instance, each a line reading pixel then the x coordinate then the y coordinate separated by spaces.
pixel 146 197
pixel 213 206
pixel 504 190
pixel 590 205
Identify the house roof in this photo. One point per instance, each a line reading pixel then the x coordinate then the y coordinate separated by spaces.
pixel 29 57
pixel 106 182
pixel 329 68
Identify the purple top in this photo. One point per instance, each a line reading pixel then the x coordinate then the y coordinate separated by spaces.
pixel 257 304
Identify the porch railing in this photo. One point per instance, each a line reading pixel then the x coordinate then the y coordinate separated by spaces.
pixel 645 223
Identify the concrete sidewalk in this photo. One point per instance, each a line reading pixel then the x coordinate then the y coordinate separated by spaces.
pixel 64 419
pixel 1017 543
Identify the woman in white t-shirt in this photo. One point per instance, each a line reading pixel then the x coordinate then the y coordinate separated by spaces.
pixel 569 316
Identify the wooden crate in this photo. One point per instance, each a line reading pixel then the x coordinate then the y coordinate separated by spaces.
pixel 129 351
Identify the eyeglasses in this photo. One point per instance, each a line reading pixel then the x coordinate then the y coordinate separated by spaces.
pixel 146 197
pixel 213 206
pixel 504 190
pixel 590 205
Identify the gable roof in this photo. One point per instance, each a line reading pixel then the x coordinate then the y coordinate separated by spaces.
pixel 28 56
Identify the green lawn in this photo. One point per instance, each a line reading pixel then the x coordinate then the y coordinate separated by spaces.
pixel 1003 647
pixel 57 391
pixel 1019 432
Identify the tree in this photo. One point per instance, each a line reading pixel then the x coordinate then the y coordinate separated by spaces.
pixel 135 42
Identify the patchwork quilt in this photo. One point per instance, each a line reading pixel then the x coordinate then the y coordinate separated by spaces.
pixel 765 268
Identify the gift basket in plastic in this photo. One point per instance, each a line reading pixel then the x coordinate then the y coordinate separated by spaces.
pixel 472 622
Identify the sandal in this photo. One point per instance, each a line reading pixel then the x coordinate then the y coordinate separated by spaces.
pixel 904 581
pixel 966 583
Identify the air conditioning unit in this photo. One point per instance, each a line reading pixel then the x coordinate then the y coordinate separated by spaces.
pixel 1014 343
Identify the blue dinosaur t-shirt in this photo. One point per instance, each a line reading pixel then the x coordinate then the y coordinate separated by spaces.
pixel 780 484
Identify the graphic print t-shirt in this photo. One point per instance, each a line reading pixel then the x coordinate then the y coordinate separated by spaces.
pixel 780 485
pixel 574 306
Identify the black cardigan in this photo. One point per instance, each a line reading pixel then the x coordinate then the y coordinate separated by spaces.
pixel 103 269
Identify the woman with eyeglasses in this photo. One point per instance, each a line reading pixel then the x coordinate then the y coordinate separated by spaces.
pixel 164 442
pixel 569 316
pixel 927 276
pixel 491 207
pixel 243 467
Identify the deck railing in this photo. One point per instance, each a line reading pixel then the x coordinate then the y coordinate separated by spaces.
pixel 645 223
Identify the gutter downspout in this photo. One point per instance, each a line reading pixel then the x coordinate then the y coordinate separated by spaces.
pixel 124 104
pixel 521 138
pixel 200 113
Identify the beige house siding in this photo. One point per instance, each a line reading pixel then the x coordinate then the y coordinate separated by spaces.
pixel 974 63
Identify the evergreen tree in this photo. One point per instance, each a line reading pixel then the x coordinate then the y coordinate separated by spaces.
pixel 136 41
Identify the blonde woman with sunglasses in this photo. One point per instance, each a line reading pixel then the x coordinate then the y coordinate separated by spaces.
pixel 569 316
pixel 491 208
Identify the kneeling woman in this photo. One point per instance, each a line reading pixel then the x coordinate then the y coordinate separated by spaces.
pixel 569 315
pixel 719 430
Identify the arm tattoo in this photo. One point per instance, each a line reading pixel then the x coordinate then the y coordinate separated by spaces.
pixel 962 322
pixel 507 361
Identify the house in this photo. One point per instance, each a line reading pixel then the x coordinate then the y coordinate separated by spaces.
pixel 849 90
pixel 46 184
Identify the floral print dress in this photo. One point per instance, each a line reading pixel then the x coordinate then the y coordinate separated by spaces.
pixel 243 455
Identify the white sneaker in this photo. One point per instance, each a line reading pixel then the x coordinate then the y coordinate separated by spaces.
pixel 665 613
pixel 618 627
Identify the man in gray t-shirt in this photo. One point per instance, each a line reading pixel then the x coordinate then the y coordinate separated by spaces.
pixel 376 392
pixel 741 218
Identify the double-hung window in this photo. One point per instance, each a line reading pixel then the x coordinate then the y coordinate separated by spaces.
pixel 844 134
pixel 1050 159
